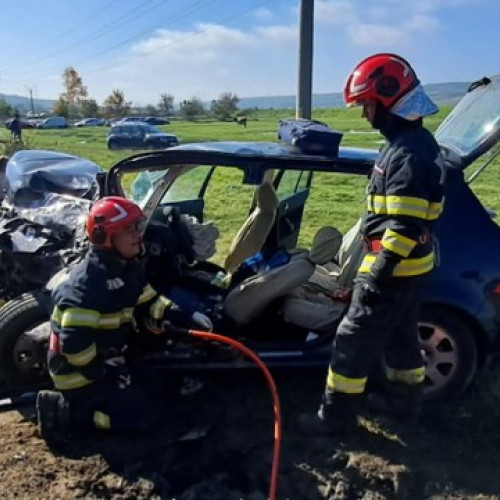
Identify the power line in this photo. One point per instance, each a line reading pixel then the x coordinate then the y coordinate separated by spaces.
pixel 172 19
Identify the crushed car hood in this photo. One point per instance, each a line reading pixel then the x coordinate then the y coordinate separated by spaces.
pixel 42 171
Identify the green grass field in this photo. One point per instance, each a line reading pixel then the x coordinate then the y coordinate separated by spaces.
pixel 335 199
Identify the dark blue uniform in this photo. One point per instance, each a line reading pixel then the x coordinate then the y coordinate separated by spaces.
pixel 404 201
pixel 92 321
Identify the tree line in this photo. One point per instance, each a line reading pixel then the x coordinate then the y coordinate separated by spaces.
pixel 75 102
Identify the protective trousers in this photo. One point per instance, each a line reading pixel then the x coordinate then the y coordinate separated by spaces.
pixel 366 331
pixel 110 406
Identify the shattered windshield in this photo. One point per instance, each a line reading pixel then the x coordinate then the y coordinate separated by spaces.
pixel 474 119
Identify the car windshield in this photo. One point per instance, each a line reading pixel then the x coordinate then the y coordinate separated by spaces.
pixel 473 120
pixel 151 130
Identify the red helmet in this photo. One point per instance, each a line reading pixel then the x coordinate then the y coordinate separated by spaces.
pixel 382 77
pixel 108 216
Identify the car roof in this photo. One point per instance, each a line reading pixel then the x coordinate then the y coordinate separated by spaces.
pixel 254 158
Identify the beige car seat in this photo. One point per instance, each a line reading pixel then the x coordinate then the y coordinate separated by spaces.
pixel 251 297
pixel 253 234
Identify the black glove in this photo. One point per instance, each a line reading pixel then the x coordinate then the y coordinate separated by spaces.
pixel 383 267
pixel 370 292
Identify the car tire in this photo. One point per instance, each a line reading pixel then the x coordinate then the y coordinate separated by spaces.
pixel 113 145
pixel 450 352
pixel 23 357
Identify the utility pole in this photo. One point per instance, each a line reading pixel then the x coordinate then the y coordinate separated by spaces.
pixel 30 92
pixel 304 90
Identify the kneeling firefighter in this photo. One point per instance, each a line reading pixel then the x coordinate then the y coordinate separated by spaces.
pixel 404 202
pixel 96 310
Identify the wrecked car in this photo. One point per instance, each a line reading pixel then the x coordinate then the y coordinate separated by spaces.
pixel 282 301
pixel 45 196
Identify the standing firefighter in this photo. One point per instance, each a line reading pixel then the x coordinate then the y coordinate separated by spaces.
pixel 95 311
pixel 404 201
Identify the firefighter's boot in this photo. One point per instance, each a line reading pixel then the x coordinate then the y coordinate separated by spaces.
pixel 53 416
pixel 337 414
pixel 405 401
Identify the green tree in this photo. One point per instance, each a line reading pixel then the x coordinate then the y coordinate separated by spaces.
pixel 89 107
pixel 192 108
pixel 74 91
pixel 166 104
pixel 60 107
pixel 150 110
pixel 6 110
pixel 116 105
pixel 225 106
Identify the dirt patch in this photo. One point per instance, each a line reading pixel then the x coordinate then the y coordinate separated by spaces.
pixel 454 454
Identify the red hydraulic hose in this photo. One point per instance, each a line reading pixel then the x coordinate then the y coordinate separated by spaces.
pixel 274 392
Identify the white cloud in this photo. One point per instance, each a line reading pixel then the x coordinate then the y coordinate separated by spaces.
pixel 262 14
pixel 335 12
pixel 204 62
pixel 365 35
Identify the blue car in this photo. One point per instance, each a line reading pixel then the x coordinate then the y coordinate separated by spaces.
pixel 280 300
pixel 139 135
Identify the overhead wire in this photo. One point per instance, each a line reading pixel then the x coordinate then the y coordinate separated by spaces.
pixel 183 13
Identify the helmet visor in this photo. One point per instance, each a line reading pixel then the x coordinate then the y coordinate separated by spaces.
pixel 414 105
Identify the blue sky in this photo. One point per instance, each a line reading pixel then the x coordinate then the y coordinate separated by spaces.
pixel 203 48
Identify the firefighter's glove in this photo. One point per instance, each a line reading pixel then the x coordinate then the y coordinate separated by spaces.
pixel 202 321
pixel 370 292
pixel 154 326
pixel 118 370
pixel 383 267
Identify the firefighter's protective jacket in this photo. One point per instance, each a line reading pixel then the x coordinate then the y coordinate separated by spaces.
pixel 94 313
pixel 404 200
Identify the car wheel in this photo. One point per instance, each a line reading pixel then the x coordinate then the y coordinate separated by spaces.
pixel 112 145
pixel 24 339
pixel 449 350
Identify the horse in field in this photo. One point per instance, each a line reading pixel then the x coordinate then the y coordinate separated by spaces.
pixel 241 120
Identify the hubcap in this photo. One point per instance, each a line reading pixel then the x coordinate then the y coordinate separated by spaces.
pixel 439 351
pixel 30 350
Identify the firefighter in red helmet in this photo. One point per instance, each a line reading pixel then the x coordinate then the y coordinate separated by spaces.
pixel 404 202
pixel 96 309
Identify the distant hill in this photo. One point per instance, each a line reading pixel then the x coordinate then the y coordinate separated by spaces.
pixel 441 93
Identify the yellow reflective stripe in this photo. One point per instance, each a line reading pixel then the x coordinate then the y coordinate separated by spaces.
pixel 84 357
pixel 115 320
pixel 75 316
pixel 406 267
pixel 147 294
pixel 157 309
pixel 56 315
pixel 410 377
pixel 101 420
pixel 435 210
pixel 376 204
pixel 70 381
pixel 404 205
pixel 78 317
pixel 339 383
pixel 398 243
pixel 407 205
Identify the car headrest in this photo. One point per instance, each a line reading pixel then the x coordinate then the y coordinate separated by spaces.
pixel 266 198
pixel 326 244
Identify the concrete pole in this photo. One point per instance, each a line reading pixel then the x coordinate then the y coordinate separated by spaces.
pixel 304 90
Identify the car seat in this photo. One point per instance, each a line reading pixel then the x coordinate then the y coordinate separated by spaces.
pixel 253 295
pixel 253 233
pixel 319 303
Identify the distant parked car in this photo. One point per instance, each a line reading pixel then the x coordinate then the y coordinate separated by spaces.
pixel 53 122
pixel 139 135
pixel 90 122
pixel 155 120
pixel 134 119
pixel 24 123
